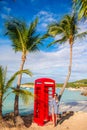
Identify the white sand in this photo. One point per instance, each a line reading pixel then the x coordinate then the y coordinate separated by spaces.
pixel 76 122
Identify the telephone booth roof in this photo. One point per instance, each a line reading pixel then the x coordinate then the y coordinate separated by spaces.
pixel 44 81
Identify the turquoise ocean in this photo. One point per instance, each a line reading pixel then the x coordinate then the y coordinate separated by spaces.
pixel 69 96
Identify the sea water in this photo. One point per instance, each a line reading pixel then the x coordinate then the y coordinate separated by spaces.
pixel 68 97
pixel 71 95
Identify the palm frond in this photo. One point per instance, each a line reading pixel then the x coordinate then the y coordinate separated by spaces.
pixel 37 40
pixel 32 27
pixel 10 81
pixel 81 35
pixel 24 94
pixel 33 42
pixel 14 33
pixel 24 38
pixel 45 36
pixel 54 29
pixel 63 39
pixel 81 13
pixel 1 78
pixel 5 96
pixel 82 8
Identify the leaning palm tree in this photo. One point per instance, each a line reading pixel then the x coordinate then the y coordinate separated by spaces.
pixel 81 8
pixel 24 39
pixel 69 32
pixel 6 84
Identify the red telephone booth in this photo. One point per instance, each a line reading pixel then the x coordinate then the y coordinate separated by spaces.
pixel 44 90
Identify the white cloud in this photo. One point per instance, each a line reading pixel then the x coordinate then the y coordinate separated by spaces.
pixel 82 26
pixel 4 16
pixel 42 13
pixel 45 18
pixel 7 9
pixel 44 25
pixel 6 12
pixel 49 64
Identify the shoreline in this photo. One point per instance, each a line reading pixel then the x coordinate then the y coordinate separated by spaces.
pixel 27 86
pixel 82 89
pixel 69 88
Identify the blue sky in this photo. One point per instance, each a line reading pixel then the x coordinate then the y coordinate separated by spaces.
pixel 50 62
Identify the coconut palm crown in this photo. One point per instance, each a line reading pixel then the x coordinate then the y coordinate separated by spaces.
pixel 24 38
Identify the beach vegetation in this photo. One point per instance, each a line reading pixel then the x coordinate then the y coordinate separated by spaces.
pixel 6 83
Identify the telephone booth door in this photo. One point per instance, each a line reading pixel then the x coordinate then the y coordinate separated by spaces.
pixel 44 90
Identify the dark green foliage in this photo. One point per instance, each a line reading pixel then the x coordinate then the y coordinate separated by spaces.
pixel 76 84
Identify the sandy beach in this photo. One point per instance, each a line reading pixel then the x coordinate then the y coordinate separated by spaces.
pixel 72 121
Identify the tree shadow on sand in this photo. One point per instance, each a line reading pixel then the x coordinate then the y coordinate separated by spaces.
pixel 64 116
pixel 23 121
pixel 28 119
pixel 69 111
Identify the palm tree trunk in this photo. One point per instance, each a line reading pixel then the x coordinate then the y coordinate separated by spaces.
pixel 69 73
pixel 16 103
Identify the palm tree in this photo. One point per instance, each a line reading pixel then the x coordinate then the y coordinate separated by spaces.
pixel 24 39
pixel 81 8
pixel 6 84
pixel 69 32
